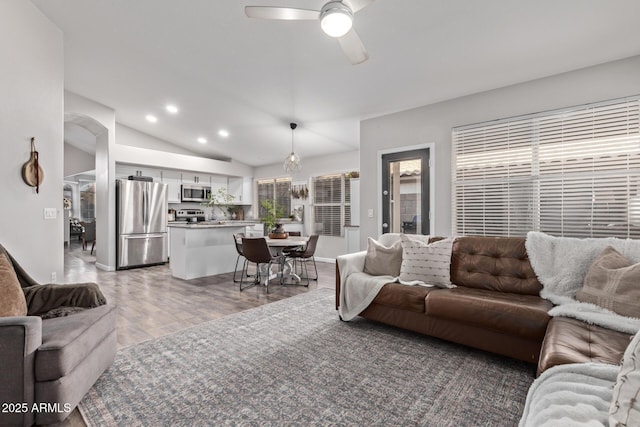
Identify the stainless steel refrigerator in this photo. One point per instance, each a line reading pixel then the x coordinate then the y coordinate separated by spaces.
pixel 141 223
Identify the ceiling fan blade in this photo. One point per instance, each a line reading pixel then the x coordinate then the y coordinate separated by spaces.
pixel 356 5
pixel 286 13
pixel 353 47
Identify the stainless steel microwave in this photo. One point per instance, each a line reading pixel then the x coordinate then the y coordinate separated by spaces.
pixel 195 193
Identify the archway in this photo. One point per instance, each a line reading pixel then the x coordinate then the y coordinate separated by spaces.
pixel 105 222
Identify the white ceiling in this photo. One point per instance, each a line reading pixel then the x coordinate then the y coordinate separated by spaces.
pixel 253 77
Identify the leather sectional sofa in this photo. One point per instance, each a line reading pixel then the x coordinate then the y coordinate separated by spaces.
pixel 496 307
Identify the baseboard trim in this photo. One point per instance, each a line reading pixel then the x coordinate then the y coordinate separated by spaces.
pixel 105 267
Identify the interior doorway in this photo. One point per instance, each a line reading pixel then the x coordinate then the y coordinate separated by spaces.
pixel 405 192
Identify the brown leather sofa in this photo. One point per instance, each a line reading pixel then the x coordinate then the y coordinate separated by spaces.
pixel 496 307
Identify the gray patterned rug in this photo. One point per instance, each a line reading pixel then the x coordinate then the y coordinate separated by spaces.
pixel 292 362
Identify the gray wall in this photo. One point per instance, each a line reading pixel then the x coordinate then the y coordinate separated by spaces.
pixel 31 106
pixel 433 124
pixel 77 161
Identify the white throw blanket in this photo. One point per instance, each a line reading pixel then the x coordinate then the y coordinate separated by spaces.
pixel 561 263
pixel 357 289
pixel 577 394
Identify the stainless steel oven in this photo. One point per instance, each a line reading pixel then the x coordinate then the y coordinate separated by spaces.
pixel 195 193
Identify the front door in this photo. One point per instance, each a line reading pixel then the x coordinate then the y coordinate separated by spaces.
pixel 405 192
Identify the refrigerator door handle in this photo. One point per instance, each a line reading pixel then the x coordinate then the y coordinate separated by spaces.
pixel 145 207
pixel 143 236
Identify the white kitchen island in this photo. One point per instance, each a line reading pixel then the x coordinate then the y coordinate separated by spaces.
pixel 203 249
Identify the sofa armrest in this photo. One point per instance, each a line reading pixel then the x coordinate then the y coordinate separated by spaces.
pixel 20 338
pixel 346 265
pixel 43 298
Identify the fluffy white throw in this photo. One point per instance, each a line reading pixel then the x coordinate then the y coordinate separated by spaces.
pixel 561 263
pixel 577 394
pixel 357 288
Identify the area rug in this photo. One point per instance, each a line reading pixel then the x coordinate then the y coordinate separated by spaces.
pixel 293 362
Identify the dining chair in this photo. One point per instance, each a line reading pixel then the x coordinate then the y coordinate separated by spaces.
pixel 89 235
pixel 237 240
pixel 305 255
pixel 286 251
pixel 256 250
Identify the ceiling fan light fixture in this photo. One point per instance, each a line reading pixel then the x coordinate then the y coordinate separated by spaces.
pixel 336 19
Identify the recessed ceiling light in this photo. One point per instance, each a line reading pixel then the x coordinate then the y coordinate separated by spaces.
pixel 151 118
pixel 172 109
pixel 202 140
pixel 223 133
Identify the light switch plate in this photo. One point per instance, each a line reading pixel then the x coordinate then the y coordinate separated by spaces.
pixel 50 213
pixel 370 213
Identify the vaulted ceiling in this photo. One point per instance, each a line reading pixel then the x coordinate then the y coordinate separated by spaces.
pixel 252 77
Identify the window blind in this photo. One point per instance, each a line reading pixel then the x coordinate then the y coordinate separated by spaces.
pixel 571 172
pixel 276 190
pixel 331 204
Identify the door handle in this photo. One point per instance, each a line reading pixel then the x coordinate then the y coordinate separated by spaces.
pixel 385 225
pixel 143 236
pixel 385 193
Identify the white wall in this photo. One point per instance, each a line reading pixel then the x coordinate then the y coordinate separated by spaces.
pixel 32 70
pixel 433 124
pixel 328 247
pixel 77 161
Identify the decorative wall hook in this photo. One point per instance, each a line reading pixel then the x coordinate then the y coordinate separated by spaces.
pixel 32 172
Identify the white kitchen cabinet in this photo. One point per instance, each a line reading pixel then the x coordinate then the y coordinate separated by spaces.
pixel 196 178
pixel 235 189
pixel 173 181
pixel 218 182
pixel 242 190
pixel 125 171
pixel 247 191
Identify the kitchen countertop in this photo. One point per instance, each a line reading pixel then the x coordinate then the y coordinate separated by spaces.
pixel 211 224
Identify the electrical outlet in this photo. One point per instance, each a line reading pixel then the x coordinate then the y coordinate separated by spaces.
pixel 370 213
pixel 50 213
pixel 54 277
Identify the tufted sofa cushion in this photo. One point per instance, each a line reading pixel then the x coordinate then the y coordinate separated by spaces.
pixel 519 315
pixel 493 263
pixel 573 341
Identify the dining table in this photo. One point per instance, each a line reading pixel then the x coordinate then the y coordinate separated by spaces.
pixel 277 247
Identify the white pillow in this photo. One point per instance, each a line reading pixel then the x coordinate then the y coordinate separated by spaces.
pixel 424 263
pixel 625 404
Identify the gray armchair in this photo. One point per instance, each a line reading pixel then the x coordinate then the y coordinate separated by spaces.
pixel 55 353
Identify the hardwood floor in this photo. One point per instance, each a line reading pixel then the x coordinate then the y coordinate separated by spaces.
pixel 151 303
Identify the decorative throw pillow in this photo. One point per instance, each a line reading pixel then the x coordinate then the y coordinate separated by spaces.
pixel 381 260
pixel 625 405
pixel 424 263
pixel 612 283
pixel 12 300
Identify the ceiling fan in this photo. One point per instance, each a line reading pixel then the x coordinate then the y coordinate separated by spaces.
pixel 336 20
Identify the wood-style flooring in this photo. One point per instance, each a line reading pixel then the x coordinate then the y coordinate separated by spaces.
pixel 151 303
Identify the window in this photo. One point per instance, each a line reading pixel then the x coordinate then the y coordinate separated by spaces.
pixel 88 201
pixel 571 172
pixel 276 190
pixel 331 204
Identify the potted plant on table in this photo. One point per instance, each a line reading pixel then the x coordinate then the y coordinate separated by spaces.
pixel 271 213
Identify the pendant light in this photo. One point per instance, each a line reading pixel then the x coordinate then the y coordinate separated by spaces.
pixel 292 161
